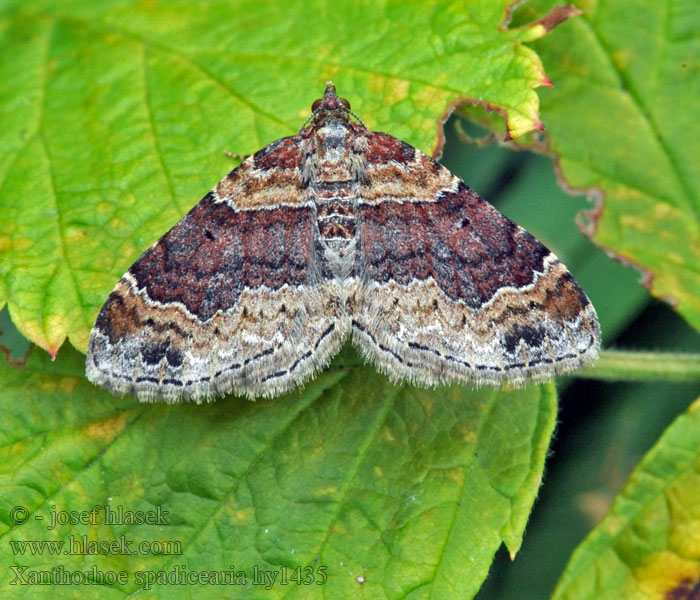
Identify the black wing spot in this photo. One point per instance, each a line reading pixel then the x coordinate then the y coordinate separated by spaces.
pixel 530 335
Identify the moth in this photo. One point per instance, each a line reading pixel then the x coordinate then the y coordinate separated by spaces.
pixel 339 232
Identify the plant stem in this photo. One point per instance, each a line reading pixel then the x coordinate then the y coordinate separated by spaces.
pixel 643 366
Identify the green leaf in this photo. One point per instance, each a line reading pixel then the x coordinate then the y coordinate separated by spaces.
pixel 622 119
pixel 121 112
pixel 648 546
pixel 411 490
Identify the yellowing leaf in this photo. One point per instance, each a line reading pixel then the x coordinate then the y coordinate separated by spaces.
pixel 648 546
pixel 622 119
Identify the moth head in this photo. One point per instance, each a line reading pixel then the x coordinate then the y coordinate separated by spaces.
pixel 331 107
pixel 330 101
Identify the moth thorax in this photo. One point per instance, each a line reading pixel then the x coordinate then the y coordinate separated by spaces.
pixel 334 187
